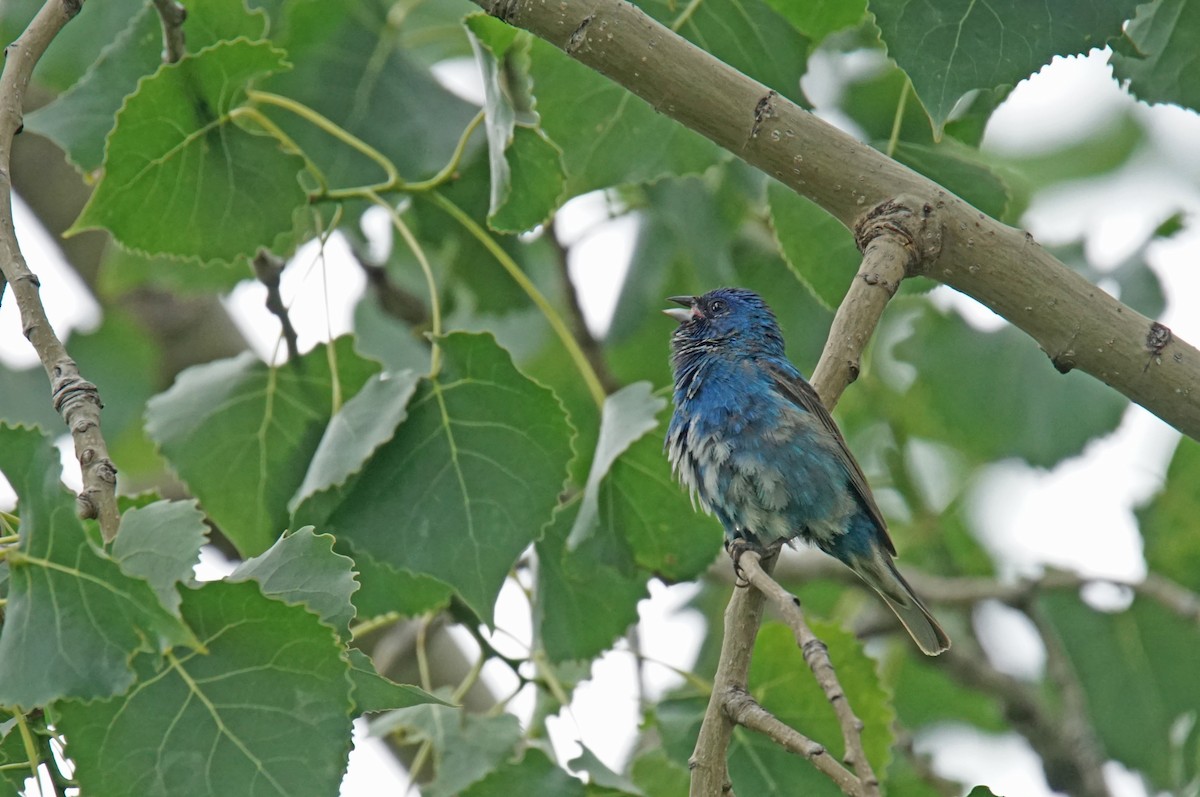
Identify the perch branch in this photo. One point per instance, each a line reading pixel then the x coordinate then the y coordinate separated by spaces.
pixel 816 655
pixel 1074 322
pixel 76 399
pixel 710 769
pixel 745 711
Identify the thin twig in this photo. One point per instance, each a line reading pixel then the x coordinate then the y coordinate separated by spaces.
pixel 816 655
pixel 76 399
pixel 745 711
pixel 397 302
pixel 172 15
pixel 587 341
pixel 268 267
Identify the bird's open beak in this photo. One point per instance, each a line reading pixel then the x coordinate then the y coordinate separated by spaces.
pixel 688 312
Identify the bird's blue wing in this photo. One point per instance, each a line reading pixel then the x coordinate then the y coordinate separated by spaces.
pixel 796 389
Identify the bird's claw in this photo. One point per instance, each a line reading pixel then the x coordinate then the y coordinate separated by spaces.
pixel 736 548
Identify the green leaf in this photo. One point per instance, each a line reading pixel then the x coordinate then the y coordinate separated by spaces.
pixel 302 569
pixel 626 416
pixel 77 45
pixel 123 271
pixel 643 503
pixel 469 478
pixel 79 119
pixel 599 774
pixel 1137 669
pixel 364 423
pixel 1160 53
pixel 1166 522
pixel 218 191
pixel 241 433
pixel 161 543
pixel 535 773
pixel 350 67
pixel 265 711
pixel 819 18
pixel 818 249
pixel 526 167
pixel 387 589
pixel 925 695
pixel 959 168
pixel 952 47
pixel 571 581
pixel 373 692
pixel 657 775
pixel 73 620
pixel 1045 416
pixel 466 747
pixel 12 751
pixel 981 791
pixel 748 35
pixel 608 136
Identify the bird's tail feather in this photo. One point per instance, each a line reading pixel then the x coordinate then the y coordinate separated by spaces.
pixel 878 571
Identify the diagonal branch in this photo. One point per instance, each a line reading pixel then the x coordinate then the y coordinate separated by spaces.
pixel 76 399
pixel 1075 323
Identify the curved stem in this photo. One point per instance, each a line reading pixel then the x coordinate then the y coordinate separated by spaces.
pixel 276 131
pixel 552 317
pixel 898 120
pixel 335 130
pixel 435 308
pixel 451 166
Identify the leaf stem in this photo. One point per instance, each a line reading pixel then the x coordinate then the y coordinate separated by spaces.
pixel 10 539
pixel 435 307
pixel 451 166
pixel 552 317
pixel 335 130
pixel 374 623
pixel 898 120
pixel 30 746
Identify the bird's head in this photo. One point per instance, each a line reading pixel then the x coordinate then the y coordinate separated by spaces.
pixel 731 320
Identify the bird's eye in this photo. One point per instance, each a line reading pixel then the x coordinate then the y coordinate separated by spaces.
pixel 716 306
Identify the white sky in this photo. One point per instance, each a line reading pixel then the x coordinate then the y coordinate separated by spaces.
pixel 1077 515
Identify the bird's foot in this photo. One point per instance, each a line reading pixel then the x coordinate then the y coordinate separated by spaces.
pixel 740 545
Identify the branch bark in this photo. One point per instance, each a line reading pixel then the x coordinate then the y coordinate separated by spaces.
pixel 75 398
pixel 1074 322
pixel 816 655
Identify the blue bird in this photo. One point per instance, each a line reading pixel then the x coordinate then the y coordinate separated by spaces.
pixel 752 441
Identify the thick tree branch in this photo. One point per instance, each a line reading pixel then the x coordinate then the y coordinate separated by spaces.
pixel 1074 322
pixel 75 398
